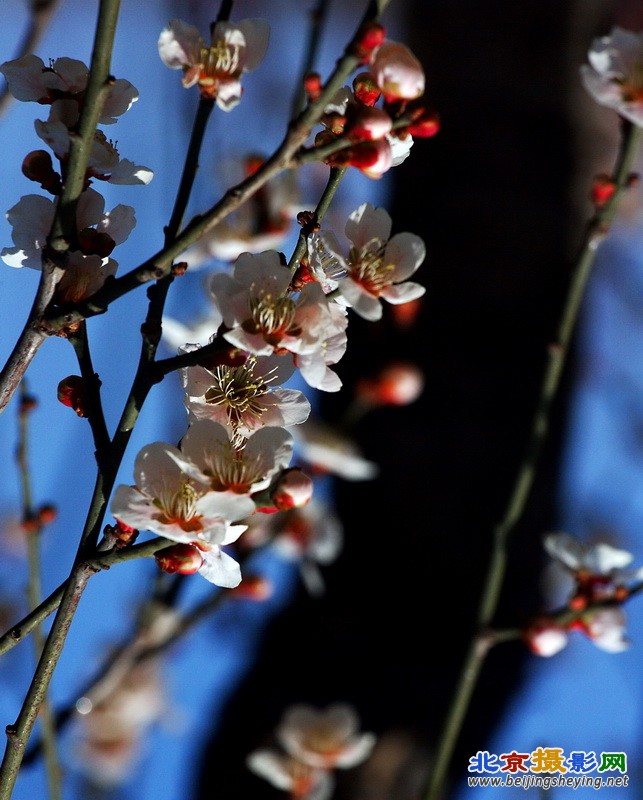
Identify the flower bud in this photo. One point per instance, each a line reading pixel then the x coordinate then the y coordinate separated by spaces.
pixel 372 158
pixel 365 89
pixel 47 514
pixel 124 534
pixel 38 167
pixel 545 638
pixel 397 72
pixel 397 385
pixel 369 36
pixel 293 490
pixel 603 189
pixel 313 86
pixel 71 392
pixel 364 123
pixel 182 558
pixel 427 125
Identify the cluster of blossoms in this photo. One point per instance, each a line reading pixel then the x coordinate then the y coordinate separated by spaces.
pixel 600 584
pixel 62 86
pixel 314 743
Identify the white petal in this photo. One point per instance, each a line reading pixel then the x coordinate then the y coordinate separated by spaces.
pixel 403 292
pixel 362 302
pixel 219 568
pixel 366 224
pixel 179 44
pixel 407 251
pixel 257 34
pixel 24 78
pixel 119 223
pixel 120 99
pixel 130 174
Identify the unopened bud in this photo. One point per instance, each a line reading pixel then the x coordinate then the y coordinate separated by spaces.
pixel 180 268
pixel 603 189
pixel 47 513
pixel 252 587
pixel 426 126
pixel 124 534
pixel 71 392
pixel 372 158
pixel 28 403
pixel 397 385
pixel 38 167
pixel 369 36
pixel 93 242
pixel 182 558
pixel 293 490
pixel 545 638
pixel 366 89
pixel 313 86
pixel 364 123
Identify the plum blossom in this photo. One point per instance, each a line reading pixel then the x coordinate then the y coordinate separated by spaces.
pixel 377 264
pixel 302 781
pixel 265 316
pixel 99 231
pixel 169 502
pixel 242 398
pixel 29 80
pixel 600 562
pixel 234 48
pixel 324 738
pixel 328 451
pixel 104 161
pixel 614 76
pixel 605 627
pixel 211 457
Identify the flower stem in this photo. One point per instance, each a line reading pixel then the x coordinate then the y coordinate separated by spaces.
pixel 596 230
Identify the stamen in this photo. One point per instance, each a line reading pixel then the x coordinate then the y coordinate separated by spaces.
pixel 239 391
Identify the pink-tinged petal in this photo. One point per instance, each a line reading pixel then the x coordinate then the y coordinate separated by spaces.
pixel 547 641
pixel 286 407
pixel 55 134
pixel 257 34
pixel 83 277
pixel 606 628
pixel 119 223
pixel 31 220
pixel 179 45
pixel 406 251
pixel 69 75
pixel 362 302
pixel 24 78
pixel 367 224
pixel 229 94
pixel 317 374
pixel 271 766
pixel 197 380
pixel 264 270
pixel 220 569
pixel 131 507
pixel 126 173
pixel 397 71
pixel 120 99
pixel 402 292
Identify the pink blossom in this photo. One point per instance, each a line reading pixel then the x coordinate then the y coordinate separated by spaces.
pixel 397 72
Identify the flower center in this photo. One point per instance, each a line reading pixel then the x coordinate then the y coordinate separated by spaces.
pixel 239 390
pixel 632 84
pixel 178 507
pixel 274 317
pixel 368 267
pixel 220 60
pixel 323 741
pixel 232 471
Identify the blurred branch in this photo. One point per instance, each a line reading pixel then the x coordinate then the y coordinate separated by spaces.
pixel 32 526
pixel 596 231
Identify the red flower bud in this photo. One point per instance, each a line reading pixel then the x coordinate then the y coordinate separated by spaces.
pixel 603 189
pixel 38 167
pixel 293 490
pixel 182 558
pixel 369 36
pixel 397 385
pixel 313 86
pixel 426 126
pixel 93 242
pixel 366 89
pixel 71 392
pixel 47 513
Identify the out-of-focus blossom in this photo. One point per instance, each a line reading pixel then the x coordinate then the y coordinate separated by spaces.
pixel 235 48
pixel 598 560
pixel 313 536
pixel 328 451
pixel 242 398
pixel 169 502
pixel 545 638
pixel 397 72
pixel 615 77
pixel 397 384
pixel 99 231
pixel 29 80
pixel 110 732
pixel 293 490
pixel 301 781
pixel 261 223
pixel 377 264
pixel 324 738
